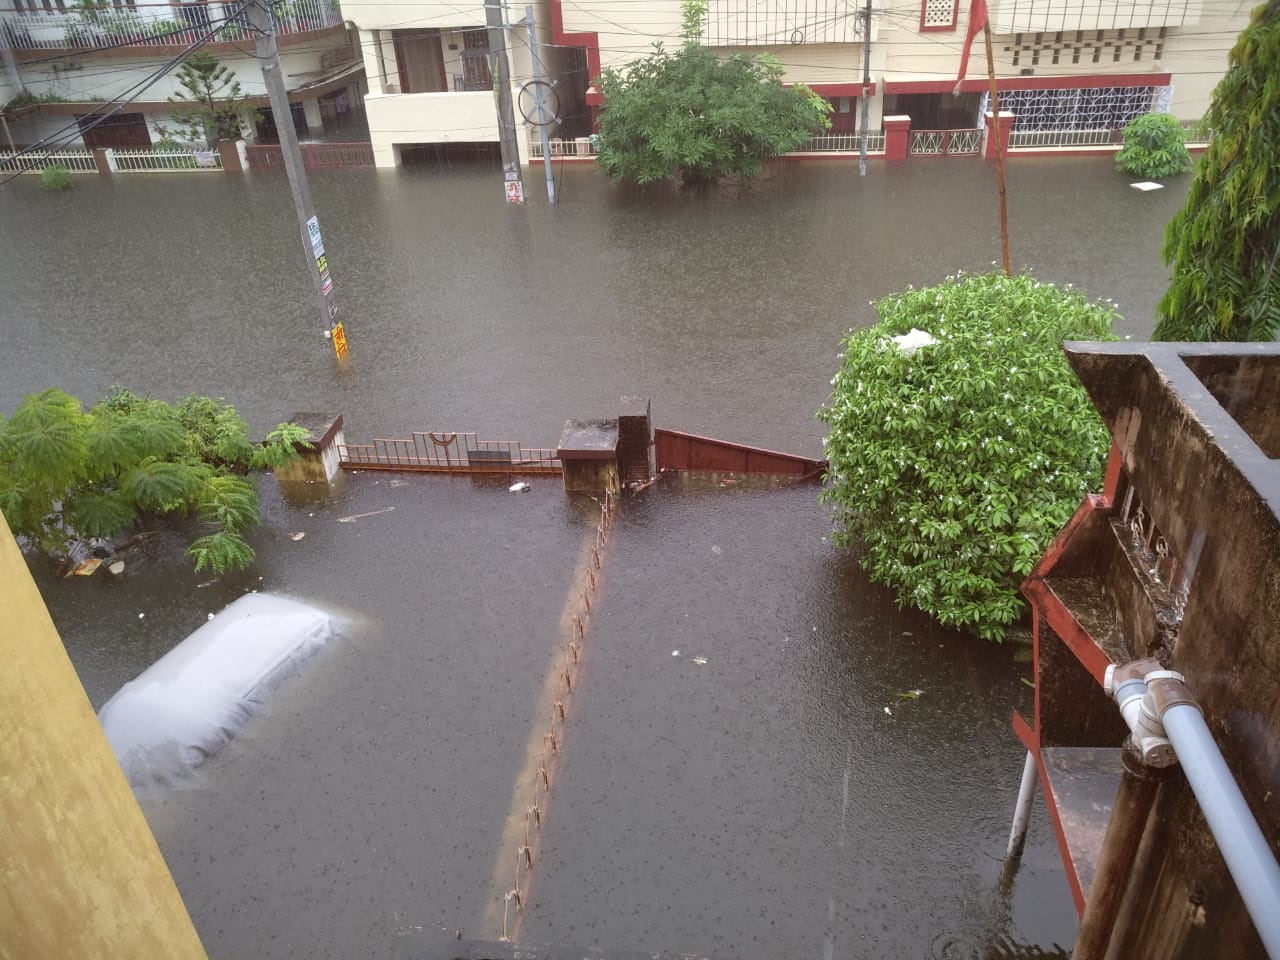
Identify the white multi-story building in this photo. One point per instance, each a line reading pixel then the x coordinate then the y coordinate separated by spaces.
pixel 430 75
pixel 72 58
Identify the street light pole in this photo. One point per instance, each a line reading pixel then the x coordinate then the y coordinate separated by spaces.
pixel 866 90
pixel 544 121
pixel 263 23
pixel 495 17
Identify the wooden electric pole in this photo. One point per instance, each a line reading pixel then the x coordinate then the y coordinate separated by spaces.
pixel 262 22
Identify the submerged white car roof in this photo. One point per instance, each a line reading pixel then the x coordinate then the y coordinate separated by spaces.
pixel 193 700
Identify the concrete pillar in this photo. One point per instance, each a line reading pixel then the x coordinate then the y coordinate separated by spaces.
pixel 319 461
pixel 636 462
pixel 588 453
pixel 83 876
pixel 229 150
pixel 102 161
pixel 989 142
pixel 897 137
pixel 311 110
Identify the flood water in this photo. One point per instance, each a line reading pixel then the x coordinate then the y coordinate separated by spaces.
pixel 763 803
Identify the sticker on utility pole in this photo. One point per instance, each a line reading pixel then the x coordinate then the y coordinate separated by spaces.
pixel 515 191
pixel 340 341
pixel 313 230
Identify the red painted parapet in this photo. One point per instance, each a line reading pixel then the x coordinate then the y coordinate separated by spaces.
pixel 687 451
pixel 1006 128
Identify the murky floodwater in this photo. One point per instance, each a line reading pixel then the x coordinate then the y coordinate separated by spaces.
pixel 762 804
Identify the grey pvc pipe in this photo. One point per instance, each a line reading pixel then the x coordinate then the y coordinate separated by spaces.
pixel 1248 855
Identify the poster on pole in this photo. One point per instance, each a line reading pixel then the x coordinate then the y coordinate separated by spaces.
pixel 515 191
pixel 313 231
pixel 340 341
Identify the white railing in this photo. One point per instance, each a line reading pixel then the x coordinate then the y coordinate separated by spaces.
pixel 75 160
pixel 834 143
pixel 145 161
pixel 581 147
pixel 98 23
pixel 1030 139
pixel 843 143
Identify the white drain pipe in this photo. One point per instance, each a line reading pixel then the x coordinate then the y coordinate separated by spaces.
pixel 1167 714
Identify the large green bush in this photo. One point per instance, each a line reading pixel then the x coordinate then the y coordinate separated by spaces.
pixel 953 466
pixel 1154 147
pixel 69 475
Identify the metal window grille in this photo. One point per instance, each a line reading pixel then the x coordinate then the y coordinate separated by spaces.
pixel 744 23
pixel 1084 108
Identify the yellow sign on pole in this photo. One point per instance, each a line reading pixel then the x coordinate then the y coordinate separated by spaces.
pixel 340 341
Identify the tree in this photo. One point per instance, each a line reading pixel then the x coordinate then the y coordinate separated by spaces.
pixel 1225 242
pixel 210 106
pixel 693 116
pixel 1154 147
pixel 67 475
pixel 954 463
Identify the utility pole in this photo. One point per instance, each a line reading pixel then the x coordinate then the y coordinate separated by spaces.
pixel 866 89
pixel 540 104
pixel 263 23
pixel 495 17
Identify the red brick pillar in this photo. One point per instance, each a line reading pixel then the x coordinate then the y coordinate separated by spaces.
pixel 897 136
pixel 1006 127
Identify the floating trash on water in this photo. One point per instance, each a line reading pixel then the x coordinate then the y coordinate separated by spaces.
pixel 88 568
pixel 910 694
pixel 141 615
pixel 675 653
pixel 1145 185
pixel 116 567
pixel 521 487
pixel 297 536
pixel 360 516
pixel 700 661
pixel 907 633
pixel 211 616
pixel 888 711
pixel 716 550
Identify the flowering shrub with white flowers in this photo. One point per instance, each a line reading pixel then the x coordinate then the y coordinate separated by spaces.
pixel 954 463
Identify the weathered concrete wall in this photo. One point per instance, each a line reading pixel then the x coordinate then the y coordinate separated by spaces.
pixel 1214 495
pixel 81 873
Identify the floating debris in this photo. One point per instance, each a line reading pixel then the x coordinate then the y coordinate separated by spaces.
pixel 888 711
pixel 909 694
pixel 700 661
pixel 297 536
pixel 116 567
pixel 521 487
pixel 360 516
pixel 675 653
pixel 88 568
pixel 1145 185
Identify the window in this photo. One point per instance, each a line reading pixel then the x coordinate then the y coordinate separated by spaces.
pixel 938 14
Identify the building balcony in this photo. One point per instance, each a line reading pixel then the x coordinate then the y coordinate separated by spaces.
pixel 60 25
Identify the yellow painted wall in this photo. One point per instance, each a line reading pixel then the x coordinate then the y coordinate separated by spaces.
pixel 80 873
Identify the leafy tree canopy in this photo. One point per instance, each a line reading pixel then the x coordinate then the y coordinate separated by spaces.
pixel 209 106
pixel 67 474
pixel 1154 147
pixel 953 466
pixel 1225 242
pixel 691 115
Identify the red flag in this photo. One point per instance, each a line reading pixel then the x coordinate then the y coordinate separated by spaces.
pixel 977 18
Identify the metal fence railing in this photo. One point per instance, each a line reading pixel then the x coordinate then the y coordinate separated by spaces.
pixel 843 143
pixel 1029 139
pixel 74 159
pixel 145 161
pixel 449 453
pixel 580 147
pixel 269 155
pixel 945 143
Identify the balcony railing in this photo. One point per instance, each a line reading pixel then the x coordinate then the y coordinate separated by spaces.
pixel 1031 139
pixel 88 24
